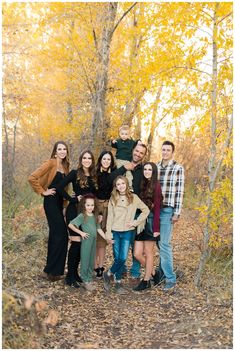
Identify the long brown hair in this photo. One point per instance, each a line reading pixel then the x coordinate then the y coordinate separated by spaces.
pixel 83 209
pixel 115 193
pixel 65 161
pixel 81 177
pixel 147 186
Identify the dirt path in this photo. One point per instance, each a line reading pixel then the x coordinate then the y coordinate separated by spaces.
pixel 186 318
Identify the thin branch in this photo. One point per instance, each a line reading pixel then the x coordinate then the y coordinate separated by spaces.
pixel 125 13
pixel 229 14
pixel 191 68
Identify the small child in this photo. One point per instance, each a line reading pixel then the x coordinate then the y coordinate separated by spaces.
pixel 87 221
pixel 121 226
pixel 124 147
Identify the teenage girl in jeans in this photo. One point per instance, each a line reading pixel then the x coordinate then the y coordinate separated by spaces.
pixel 120 225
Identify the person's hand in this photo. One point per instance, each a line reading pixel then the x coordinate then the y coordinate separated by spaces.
pixel 73 194
pixel 110 241
pixel 48 192
pixel 79 197
pixel 114 141
pixel 129 224
pixel 175 219
pixel 100 217
pixel 85 235
pixel 129 166
pixel 156 234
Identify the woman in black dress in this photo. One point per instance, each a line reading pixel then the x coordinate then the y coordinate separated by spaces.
pixel 44 181
pixel 83 181
pixel 104 167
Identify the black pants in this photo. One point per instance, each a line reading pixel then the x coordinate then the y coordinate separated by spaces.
pixel 58 236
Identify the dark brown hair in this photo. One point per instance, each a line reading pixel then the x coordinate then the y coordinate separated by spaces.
pixel 147 186
pixel 81 177
pixel 83 209
pixel 65 161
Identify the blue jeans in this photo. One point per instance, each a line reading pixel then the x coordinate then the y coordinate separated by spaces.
pixel 121 246
pixel 166 256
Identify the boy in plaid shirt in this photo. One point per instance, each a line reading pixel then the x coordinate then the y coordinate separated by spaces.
pixel 171 177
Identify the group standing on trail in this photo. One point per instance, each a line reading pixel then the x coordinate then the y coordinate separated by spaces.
pixel 127 203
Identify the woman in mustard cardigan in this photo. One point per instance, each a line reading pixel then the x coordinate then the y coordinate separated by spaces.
pixel 44 181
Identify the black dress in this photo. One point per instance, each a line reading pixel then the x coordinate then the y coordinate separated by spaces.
pixel 58 234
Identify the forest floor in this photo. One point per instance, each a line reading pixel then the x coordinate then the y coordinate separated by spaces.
pixel 40 314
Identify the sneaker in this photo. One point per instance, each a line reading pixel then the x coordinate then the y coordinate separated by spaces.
pixel 168 286
pixel 106 280
pixel 89 286
pixel 144 284
pixel 119 289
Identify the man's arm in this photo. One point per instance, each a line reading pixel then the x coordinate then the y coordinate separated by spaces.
pixel 179 192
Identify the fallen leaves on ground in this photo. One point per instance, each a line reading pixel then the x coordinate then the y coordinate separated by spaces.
pixel 75 318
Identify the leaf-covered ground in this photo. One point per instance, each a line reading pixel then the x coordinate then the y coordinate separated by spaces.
pixel 40 314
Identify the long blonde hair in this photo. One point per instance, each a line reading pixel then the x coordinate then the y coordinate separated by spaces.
pixel 115 195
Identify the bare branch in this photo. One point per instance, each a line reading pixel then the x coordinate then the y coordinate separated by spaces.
pixel 125 13
pixel 229 14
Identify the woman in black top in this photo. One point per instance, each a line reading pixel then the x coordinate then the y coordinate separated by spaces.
pixel 104 167
pixel 83 181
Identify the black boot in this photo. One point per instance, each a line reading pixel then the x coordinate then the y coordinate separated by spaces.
pixel 144 284
pixel 158 277
pixel 100 272
pixel 97 270
pixel 73 260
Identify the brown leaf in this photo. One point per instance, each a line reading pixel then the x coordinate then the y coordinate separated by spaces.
pixel 52 318
pixel 28 302
pixel 40 305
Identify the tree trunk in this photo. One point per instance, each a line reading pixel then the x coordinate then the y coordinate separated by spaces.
pixel 154 122
pixel 212 157
pixel 99 122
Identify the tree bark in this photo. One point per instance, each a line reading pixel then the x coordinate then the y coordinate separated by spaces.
pixel 99 122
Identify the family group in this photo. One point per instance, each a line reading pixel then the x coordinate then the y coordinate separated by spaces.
pixel 122 201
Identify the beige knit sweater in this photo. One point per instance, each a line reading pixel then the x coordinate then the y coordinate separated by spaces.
pixel 122 213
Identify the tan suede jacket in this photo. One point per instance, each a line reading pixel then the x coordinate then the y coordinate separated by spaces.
pixel 122 213
pixel 42 177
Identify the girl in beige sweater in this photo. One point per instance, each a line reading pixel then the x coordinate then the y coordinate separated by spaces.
pixel 120 225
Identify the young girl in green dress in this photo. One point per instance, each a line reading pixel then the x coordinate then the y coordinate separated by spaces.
pixel 87 221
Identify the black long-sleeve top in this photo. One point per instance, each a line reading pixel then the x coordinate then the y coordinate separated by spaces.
pixel 72 178
pixel 105 185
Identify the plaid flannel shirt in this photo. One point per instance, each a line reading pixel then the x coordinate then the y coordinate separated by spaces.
pixel 171 178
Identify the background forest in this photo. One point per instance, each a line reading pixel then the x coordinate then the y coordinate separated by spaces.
pixel 76 72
